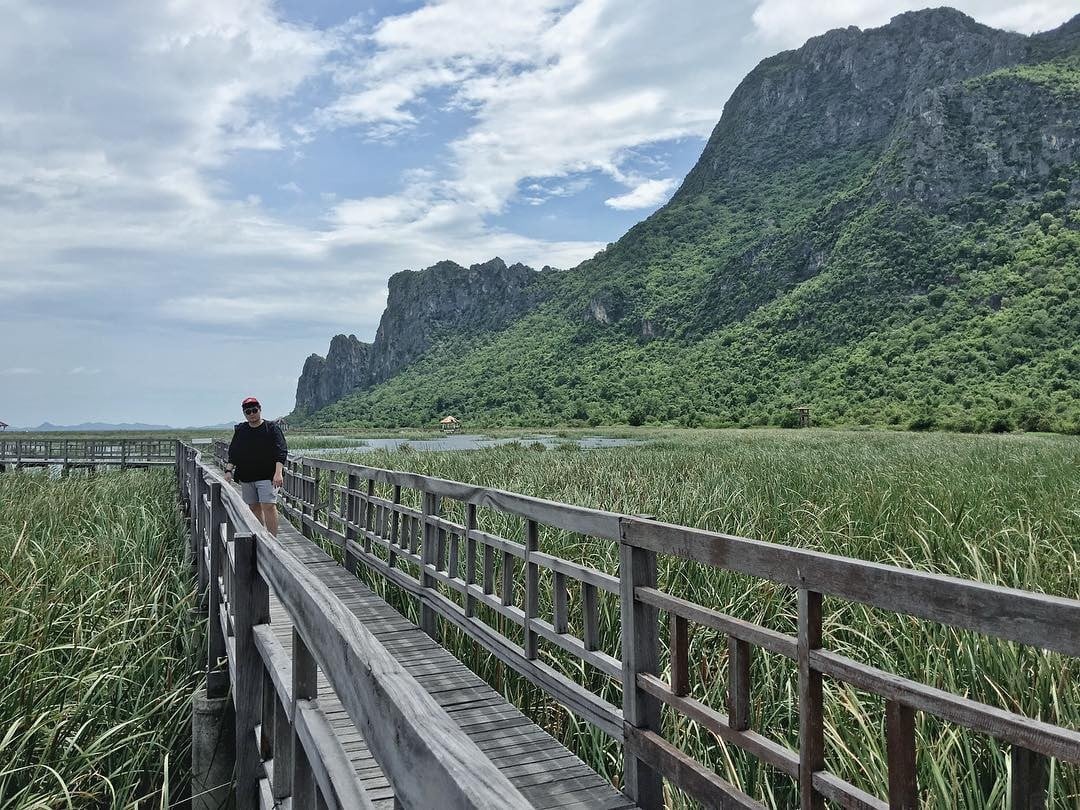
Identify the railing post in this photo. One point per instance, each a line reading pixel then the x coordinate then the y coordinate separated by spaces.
pixel 206 506
pixel 428 557
pixel 196 514
pixel 394 534
pixel 252 606
pixel 470 554
pixel 900 749
pixel 306 509
pixel 305 688
pixel 640 643
pixel 369 515
pixel 1027 783
pixel 739 653
pixel 351 510
pixel 532 587
pixel 811 719
pixel 217 670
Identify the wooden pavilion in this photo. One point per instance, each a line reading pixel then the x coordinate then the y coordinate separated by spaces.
pixel 450 424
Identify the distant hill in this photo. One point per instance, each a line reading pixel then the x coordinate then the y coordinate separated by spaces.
pixel 104 427
pixel 90 427
pixel 884 225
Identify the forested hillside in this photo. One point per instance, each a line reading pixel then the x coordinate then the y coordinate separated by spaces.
pixel 884 225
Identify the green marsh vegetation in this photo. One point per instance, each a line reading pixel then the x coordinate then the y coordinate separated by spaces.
pixel 98 650
pixel 998 509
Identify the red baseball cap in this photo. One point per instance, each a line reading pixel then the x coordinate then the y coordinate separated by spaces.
pixel 249 401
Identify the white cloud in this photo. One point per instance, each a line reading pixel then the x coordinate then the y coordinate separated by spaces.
pixel 789 23
pixel 121 126
pixel 647 195
pixel 83 370
pixel 557 90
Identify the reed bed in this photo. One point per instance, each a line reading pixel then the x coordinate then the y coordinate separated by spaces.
pixel 999 509
pixel 97 642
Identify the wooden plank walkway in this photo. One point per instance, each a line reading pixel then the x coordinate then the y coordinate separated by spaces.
pixel 545 772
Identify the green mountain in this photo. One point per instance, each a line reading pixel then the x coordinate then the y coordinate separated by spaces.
pixel 883 226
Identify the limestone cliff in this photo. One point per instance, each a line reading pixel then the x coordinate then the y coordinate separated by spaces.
pixel 420 306
pixel 328 379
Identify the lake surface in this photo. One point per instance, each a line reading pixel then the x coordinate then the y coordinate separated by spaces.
pixel 462 441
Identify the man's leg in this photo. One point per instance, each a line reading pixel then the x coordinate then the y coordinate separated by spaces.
pixel 269 517
pixel 257 510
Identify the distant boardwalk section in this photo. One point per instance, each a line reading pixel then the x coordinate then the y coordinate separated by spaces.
pixel 87 453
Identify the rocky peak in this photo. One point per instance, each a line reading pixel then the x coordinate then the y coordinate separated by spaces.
pixel 327 379
pixel 420 306
pixel 444 297
pixel 844 90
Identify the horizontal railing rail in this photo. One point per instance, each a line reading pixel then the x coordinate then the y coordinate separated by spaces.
pixel 285 747
pixel 491 585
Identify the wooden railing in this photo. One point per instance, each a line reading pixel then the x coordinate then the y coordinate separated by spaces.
pixel 75 452
pixel 398 525
pixel 280 729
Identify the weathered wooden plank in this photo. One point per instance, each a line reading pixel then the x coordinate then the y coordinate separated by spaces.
pixel 738 696
pixel 560 598
pixel 305 686
pixel 900 749
pixel 844 794
pixel 251 607
pixel 590 617
pixel 470 559
pixel 427 548
pixel 640 656
pixel 607 664
pixel 1027 782
pixel 783 759
pixel 430 759
pixel 661 756
pixel 277 662
pixel 582 573
pixel 532 587
pixel 679 646
pixel 1034 619
pixel 216 677
pixel 338 785
pixel 811 719
pixel 757 635
pixel 1036 735
pixel 581 520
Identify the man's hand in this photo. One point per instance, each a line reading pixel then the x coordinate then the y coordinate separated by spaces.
pixel 279 480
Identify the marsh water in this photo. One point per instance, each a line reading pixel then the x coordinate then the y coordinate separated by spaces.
pixel 464 441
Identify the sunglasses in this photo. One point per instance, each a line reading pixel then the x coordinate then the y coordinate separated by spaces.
pixel 252 409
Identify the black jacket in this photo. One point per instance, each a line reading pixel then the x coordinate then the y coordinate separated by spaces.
pixel 254 451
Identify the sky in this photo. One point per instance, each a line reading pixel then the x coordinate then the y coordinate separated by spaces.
pixel 195 195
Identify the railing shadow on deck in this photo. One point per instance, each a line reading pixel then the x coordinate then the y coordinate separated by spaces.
pixel 363 511
pixel 280 729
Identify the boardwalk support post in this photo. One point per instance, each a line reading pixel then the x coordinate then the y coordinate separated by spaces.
pixel 213 751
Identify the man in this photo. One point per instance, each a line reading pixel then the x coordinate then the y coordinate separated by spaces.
pixel 257 455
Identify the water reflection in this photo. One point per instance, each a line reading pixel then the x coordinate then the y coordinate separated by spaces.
pixel 467 442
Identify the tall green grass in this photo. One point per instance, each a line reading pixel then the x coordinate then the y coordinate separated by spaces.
pixel 999 509
pixel 98 646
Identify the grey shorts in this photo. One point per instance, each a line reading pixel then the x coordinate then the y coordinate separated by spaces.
pixel 258 491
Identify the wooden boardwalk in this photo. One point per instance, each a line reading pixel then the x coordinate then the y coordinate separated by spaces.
pixel 545 772
pixel 419 720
